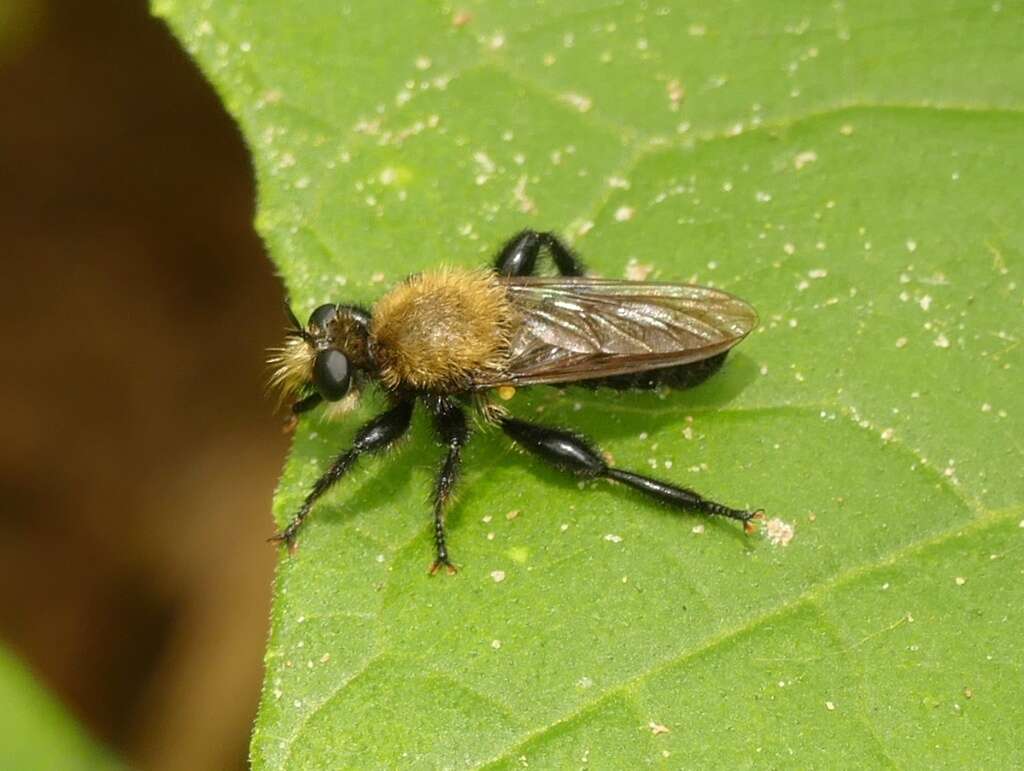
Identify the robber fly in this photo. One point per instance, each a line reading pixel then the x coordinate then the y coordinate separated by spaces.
pixel 449 338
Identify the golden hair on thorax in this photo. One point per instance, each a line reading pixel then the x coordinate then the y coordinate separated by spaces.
pixel 440 330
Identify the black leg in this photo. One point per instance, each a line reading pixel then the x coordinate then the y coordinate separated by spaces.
pixel 298 408
pixel 376 435
pixel 570 452
pixel 519 256
pixel 306 404
pixel 454 432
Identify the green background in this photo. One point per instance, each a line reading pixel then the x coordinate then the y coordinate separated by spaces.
pixel 853 170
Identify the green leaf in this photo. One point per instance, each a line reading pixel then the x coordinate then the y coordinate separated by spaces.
pixel 37 733
pixel 854 170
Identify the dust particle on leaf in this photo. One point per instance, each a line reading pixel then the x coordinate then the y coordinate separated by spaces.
pixel 636 271
pixel 579 101
pixel 802 159
pixel 498 576
pixel 778 532
pixel 658 728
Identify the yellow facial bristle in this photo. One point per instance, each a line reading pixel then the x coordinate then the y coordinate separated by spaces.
pixel 292 366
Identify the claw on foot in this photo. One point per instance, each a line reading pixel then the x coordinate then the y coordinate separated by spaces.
pixel 288 539
pixel 749 525
pixel 448 566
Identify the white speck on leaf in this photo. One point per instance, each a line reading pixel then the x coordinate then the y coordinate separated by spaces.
pixel 676 92
pixel 942 341
pixel 612 538
pixel 636 271
pixel 657 728
pixel 804 158
pixel 498 576
pixel 579 101
pixel 778 532
pixel 624 213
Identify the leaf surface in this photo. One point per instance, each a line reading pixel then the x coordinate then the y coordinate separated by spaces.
pixel 854 171
pixel 37 731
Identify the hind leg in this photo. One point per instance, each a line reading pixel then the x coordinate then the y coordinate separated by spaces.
pixel 569 452
pixel 519 256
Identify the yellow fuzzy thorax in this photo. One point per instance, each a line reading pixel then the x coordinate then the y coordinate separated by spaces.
pixel 439 331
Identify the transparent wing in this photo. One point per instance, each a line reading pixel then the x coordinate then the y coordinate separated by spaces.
pixel 572 328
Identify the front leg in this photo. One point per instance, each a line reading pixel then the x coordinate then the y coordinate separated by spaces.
pixel 374 436
pixel 519 256
pixel 571 452
pixel 454 432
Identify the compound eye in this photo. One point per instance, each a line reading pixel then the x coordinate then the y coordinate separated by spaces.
pixel 331 374
pixel 322 317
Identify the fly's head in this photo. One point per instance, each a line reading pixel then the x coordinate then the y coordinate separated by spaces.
pixel 325 360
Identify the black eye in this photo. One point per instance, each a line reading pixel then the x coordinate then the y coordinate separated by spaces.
pixel 331 374
pixel 323 316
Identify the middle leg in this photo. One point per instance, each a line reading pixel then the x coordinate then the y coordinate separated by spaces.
pixel 570 452
pixel 454 432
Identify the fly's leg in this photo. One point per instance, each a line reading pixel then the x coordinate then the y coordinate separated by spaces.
pixel 570 452
pixel 374 436
pixel 298 408
pixel 454 432
pixel 519 256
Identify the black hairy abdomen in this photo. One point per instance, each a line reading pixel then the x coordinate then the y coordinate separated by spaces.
pixel 678 377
